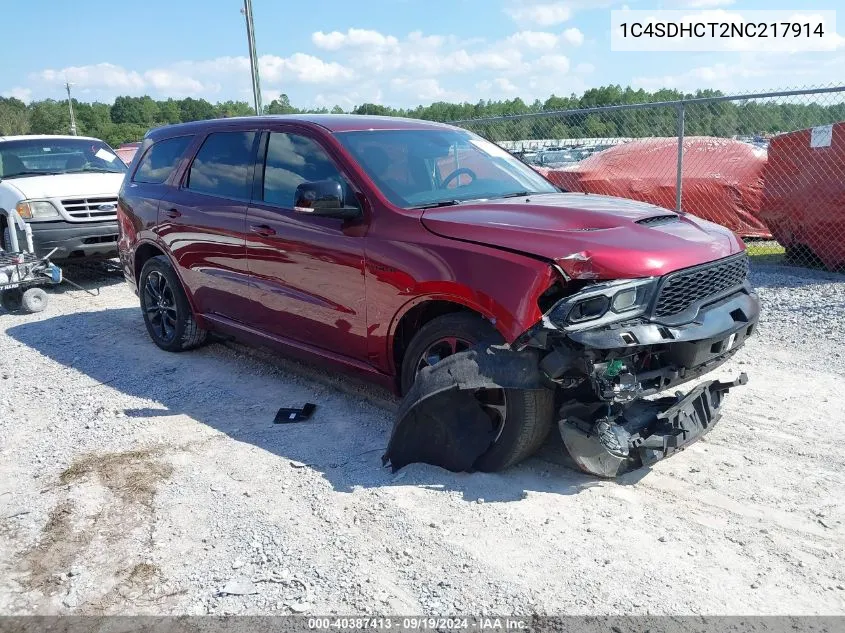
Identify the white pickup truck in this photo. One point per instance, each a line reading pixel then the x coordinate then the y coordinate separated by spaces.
pixel 65 188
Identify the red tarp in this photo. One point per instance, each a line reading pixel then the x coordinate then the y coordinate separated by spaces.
pixel 722 178
pixel 804 193
pixel 126 152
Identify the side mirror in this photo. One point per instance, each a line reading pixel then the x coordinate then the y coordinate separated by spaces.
pixel 323 198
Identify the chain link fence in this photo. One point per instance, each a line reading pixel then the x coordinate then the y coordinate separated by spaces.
pixel 769 166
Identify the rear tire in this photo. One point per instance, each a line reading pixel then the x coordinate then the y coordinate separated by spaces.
pixel 167 313
pixel 528 417
pixel 34 300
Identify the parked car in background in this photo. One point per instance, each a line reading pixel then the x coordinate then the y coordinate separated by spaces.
pixel 381 246
pixel 562 157
pixel 65 188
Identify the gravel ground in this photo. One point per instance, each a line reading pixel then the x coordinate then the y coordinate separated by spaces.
pixel 136 481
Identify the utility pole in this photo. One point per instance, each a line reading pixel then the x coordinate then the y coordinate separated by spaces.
pixel 253 56
pixel 70 105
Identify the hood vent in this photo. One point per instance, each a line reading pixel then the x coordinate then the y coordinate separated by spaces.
pixel 658 220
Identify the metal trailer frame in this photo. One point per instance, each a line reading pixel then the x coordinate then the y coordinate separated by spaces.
pixel 23 275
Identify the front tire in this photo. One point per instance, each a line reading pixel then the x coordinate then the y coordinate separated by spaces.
pixel 167 313
pixel 521 418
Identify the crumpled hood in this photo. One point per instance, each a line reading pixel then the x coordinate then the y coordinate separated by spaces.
pixel 602 229
pixel 67 185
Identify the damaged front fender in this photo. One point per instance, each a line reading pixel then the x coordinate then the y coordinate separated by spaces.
pixel 441 421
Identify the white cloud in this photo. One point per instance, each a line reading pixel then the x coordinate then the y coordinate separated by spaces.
pixel 102 75
pixel 18 92
pixel 730 78
pixel 544 14
pixel 537 40
pixel 584 68
pixel 353 38
pixel 573 36
pixel 303 68
pixel 498 87
pixel 426 90
pixel 352 67
pixel 698 4
pixel 556 63
pixel 168 81
pixel 206 78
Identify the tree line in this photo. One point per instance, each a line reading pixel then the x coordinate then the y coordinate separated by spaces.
pixel 128 118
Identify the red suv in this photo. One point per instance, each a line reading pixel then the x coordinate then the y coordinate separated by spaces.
pixel 382 245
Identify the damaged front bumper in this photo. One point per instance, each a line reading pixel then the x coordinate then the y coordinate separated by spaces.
pixel 644 432
pixel 604 352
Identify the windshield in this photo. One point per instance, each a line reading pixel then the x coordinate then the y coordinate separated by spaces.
pixel 48 156
pixel 418 168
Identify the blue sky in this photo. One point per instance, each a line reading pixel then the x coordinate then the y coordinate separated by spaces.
pixel 346 52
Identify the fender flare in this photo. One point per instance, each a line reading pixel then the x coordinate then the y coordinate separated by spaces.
pixel 438 296
pixel 166 252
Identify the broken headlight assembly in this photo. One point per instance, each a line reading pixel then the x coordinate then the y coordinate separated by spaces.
pixel 604 303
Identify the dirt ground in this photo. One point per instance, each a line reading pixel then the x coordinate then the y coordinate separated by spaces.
pixel 136 481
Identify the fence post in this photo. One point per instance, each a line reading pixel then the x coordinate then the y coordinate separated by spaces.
pixel 678 176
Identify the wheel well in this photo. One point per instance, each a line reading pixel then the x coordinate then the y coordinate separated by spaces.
pixel 3 225
pixel 142 254
pixel 414 319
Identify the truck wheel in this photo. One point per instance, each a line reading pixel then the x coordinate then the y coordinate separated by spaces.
pixel 34 300
pixel 521 419
pixel 11 300
pixel 167 314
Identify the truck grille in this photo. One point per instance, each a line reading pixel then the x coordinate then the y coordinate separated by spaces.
pixel 680 290
pixel 101 208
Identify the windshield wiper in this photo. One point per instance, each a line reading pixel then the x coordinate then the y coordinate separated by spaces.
pixel 442 203
pixel 32 173
pixel 517 194
pixel 97 170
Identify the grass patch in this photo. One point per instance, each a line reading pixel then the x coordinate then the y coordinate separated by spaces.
pixel 133 476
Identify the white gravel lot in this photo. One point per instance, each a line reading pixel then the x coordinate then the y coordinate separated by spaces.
pixel 136 481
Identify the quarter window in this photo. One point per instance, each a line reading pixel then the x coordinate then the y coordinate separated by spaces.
pixel 223 165
pixel 293 159
pixel 160 160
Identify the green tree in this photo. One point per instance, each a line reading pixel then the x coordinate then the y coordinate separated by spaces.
pixel 14 116
pixel 196 109
pixel 136 110
pixel 49 117
pixel 234 108
pixel 281 105
pixel 169 112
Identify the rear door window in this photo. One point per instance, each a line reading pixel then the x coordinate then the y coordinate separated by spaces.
pixel 160 160
pixel 223 166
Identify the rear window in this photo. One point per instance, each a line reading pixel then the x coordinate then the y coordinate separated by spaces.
pixel 224 165
pixel 160 160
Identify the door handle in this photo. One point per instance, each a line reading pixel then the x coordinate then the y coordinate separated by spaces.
pixel 262 229
pixel 173 213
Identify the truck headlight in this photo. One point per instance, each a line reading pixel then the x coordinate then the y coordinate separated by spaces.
pixel 604 303
pixel 37 210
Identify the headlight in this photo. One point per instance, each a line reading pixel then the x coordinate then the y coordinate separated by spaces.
pixel 604 303
pixel 588 309
pixel 37 210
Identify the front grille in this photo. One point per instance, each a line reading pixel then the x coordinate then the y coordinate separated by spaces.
pixel 658 219
pixel 89 208
pixel 680 290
